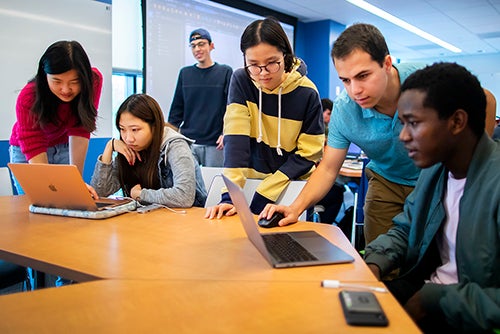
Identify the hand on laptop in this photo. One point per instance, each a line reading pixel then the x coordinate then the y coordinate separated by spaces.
pixel 135 192
pixel 92 191
pixel 290 215
pixel 219 210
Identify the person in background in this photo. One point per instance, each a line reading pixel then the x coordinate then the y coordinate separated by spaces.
pixel 365 113
pixel 327 106
pixel 57 110
pixel 273 126
pixel 447 241
pixel 200 101
pixel 153 163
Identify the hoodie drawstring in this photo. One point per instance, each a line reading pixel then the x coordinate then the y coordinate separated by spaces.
pixel 259 139
pixel 278 147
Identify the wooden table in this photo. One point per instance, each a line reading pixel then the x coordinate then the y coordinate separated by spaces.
pixel 351 172
pixel 143 306
pixel 168 272
pixel 156 245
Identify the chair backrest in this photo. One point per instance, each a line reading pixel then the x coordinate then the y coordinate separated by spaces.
pixel 208 174
pixel 5 182
pixel 216 184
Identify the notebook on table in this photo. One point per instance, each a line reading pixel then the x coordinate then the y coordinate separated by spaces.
pixel 60 190
pixel 285 249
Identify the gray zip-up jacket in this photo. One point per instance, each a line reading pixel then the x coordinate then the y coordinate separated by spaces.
pixel 180 177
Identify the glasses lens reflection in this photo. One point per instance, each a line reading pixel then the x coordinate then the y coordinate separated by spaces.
pixel 272 67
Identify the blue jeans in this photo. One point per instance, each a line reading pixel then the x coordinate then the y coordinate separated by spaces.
pixel 58 154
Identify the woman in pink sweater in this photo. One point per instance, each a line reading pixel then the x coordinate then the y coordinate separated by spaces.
pixel 57 110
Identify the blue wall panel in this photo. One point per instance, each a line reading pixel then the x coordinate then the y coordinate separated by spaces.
pixel 96 146
pixel 313 44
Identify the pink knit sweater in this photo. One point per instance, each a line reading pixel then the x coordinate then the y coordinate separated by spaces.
pixel 31 138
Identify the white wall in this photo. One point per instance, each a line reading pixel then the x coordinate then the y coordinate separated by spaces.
pixel 486 67
pixel 30 26
pixel 127 35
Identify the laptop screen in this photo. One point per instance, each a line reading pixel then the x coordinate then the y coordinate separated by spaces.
pixel 353 152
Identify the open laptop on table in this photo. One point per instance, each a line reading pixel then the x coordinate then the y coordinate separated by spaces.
pixel 301 248
pixel 353 152
pixel 60 190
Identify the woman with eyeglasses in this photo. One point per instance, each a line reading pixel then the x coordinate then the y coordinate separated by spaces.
pixel 273 126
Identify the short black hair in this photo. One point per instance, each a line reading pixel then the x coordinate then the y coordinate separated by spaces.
pixel 326 103
pixel 362 36
pixel 450 87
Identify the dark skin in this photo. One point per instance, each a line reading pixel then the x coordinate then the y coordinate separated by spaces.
pixel 430 140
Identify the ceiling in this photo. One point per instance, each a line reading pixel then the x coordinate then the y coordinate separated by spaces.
pixel 471 25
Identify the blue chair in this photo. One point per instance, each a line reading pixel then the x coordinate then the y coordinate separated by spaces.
pixel 357 236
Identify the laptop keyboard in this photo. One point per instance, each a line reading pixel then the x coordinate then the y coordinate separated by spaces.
pixel 285 249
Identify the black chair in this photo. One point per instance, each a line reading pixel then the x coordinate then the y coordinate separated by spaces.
pixel 11 274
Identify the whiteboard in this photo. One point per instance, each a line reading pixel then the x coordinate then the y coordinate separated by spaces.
pixel 168 25
pixel 30 26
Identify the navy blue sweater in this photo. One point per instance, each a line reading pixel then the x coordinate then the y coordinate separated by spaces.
pixel 199 102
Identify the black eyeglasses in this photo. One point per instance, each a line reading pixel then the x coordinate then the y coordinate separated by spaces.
pixel 271 67
pixel 199 44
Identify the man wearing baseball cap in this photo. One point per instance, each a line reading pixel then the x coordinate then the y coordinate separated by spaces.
pixel 200 100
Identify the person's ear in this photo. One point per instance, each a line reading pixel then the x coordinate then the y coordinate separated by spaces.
pixel 458 121
pixel 388 62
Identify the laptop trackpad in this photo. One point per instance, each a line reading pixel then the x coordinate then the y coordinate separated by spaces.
pixel 311 240
pixel 320 246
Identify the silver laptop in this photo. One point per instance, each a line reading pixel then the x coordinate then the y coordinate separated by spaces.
pixel 285 249
pixel 61 187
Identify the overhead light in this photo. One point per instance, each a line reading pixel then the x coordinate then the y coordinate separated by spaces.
pixel 403 24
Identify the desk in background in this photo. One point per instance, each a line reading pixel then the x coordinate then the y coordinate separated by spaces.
pixel 352 168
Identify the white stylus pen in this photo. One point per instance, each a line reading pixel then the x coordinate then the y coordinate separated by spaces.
pixel 335 284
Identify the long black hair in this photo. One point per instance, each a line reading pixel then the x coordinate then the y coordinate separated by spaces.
pixel 144 172
pixel 60 57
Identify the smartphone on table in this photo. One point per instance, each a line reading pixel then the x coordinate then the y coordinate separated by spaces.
pixel 361 308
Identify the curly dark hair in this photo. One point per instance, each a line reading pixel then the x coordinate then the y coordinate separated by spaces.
pixel 449 87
